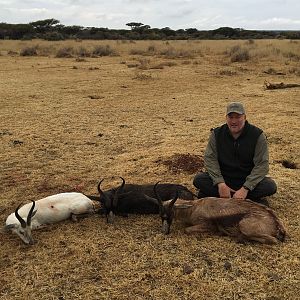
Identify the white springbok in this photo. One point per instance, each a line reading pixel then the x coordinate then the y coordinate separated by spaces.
pixel 49 210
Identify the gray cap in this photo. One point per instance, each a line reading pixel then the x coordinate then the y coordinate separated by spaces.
pixel 236 107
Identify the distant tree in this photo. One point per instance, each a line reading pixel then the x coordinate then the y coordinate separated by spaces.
pixel 141 29
pixel 70 30
pixel 168 31
pixel 134 25
pixel 191 30
pixel 15 31
pixel 43 26
pixel 226 32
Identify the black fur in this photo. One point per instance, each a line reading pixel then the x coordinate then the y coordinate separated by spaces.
pixel 131 198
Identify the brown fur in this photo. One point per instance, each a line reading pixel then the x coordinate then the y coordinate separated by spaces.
pixel 241 219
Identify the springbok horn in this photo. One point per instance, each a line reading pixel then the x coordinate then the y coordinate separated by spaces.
pixel 120 188
pixel 30 214
pixel 100 191
pixel 157 195
pixel 174 200
pixel 23 223
pixel 98 187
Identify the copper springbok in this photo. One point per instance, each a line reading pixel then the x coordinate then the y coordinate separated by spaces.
pixel 239 219
pixel 49 210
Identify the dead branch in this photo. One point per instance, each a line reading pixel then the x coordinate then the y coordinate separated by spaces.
pixel 281 85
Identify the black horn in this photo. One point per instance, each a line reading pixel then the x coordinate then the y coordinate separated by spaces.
pixel 30 214
pixel 174 200
pixel 23 223
pixel 101 192
pixel 119 189
pixel 157 195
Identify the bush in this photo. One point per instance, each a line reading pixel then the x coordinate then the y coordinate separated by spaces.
pixel 83 52
pixel 65 52
pixel 104 51
pixel 144 64
pixel 171 53
pixel 29 51
pixel 137 52
pixel 238 54
pixel 292 56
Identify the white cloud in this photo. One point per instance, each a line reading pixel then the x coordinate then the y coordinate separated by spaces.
pixel 280 21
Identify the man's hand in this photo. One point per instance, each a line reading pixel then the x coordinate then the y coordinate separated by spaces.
pixel 240 194
pixel 224 190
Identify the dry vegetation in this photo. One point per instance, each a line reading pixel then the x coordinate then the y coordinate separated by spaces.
pixel 94 112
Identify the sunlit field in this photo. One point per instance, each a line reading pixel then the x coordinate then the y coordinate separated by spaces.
pixel 75 112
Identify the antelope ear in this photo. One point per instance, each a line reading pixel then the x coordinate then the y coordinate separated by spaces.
pixel 9 227
pixel 183 206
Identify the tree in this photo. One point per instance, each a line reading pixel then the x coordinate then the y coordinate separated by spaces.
pixel 43 26
pixel 134 25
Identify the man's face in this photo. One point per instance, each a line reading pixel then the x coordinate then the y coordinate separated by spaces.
pixel 235 122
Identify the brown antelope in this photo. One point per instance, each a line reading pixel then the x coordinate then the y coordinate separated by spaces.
pixel 241 219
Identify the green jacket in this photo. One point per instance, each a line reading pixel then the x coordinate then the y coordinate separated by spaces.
pixel 260 161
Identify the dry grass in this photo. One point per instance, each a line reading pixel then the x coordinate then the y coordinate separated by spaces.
pixel 63 129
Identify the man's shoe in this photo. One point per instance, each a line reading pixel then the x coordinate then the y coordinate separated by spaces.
pixel 263 201
pixel 201 195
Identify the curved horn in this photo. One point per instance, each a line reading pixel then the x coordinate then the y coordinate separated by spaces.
pixel 30 214
pixel 107 200
pixel 23 223
pixel 98 187
pixel 174 200
pixel 156 194
pixel 120 188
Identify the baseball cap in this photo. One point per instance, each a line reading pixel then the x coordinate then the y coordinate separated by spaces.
pixel 236 107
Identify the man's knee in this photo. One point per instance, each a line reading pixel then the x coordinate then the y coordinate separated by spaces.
pixel 201 179
pixel 197 180
pixel 270 186
pixel 266 187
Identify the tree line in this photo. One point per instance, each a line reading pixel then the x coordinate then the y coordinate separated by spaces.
pixel 52 29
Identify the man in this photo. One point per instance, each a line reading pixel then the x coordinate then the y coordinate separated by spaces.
pixel 236 160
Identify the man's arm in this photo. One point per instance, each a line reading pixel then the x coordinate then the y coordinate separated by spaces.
pixel 261 163
pixel 211 162
pixel 212 166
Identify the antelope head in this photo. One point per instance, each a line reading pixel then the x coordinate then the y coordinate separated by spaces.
pixel 109 200
pixel 23 229
pixel 166 211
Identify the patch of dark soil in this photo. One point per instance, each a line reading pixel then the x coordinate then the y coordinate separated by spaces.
pixel 186 163
pixel 288 164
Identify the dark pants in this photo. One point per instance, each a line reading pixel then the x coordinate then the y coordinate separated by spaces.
pixel 204 183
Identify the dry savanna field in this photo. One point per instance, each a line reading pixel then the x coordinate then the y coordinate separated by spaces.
pixel 74 112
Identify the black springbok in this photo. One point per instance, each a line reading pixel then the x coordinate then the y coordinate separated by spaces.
pixel 131 198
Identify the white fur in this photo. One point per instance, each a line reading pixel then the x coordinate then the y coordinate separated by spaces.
pixel 50 210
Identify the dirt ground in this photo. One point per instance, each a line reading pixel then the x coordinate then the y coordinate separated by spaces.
pixel 66 123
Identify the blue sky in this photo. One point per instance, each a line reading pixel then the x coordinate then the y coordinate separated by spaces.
pixel 176 14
